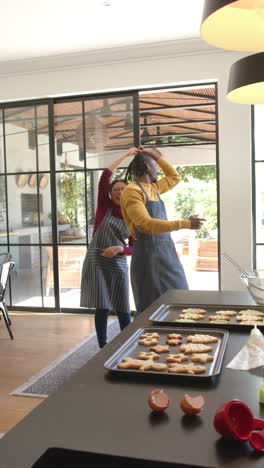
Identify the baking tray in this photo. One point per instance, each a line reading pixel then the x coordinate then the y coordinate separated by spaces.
pixel 167 314
pixel 131 348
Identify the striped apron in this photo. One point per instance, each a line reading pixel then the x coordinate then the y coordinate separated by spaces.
pixel 155 265
pixel 105 283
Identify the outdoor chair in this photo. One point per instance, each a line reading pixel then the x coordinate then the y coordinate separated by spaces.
pixel 6 266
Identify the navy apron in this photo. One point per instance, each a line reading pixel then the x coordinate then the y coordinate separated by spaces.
pixel 155 265
pixel 105 283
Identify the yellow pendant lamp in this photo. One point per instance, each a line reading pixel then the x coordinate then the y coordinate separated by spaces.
pixel 235 25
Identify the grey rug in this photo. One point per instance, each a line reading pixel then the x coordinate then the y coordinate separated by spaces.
pixel 49 379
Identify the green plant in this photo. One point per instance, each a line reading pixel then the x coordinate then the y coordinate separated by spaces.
pixel 71 198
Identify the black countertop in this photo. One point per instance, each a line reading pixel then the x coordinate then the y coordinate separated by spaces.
pixel 106 413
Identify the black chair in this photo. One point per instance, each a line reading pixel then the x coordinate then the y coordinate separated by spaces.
pixel 6 266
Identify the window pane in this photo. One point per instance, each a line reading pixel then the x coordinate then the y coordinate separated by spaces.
pixel 70 268
pixel 71 207
pixel 108 130
pixel 259 202
pixel 260 257
pixel 258 132
pixel 3 233
pixel 26 285
pixel 48 276
pixel 67 118
pixel 42 125
pixel 21 139
pixel 2 163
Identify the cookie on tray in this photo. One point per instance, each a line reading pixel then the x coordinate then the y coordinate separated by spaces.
pixel 174 336
pixel 202 357
pixel 251 312
pixel 224 318
pixel 160 349
pixel 228 313
pixel 145 356
pixel 249 318
pixel 251 323
pixel 173 342
pixel 148 341
pixel 177 358
pixel 205 339
pixel 190 368
pixel 183 320
pixel 192 348
pixel 192 310
pixel 191 316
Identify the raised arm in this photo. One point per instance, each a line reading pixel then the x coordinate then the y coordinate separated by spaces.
pixel 131 152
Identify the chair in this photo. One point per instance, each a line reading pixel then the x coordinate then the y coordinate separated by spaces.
pixel 6 266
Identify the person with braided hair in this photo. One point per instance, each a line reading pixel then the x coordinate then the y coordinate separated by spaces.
pixel 155 265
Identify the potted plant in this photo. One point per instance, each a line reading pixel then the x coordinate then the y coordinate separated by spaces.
pixel 71 200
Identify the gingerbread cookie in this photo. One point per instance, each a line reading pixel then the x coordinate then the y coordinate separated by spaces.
pixel 174 336
pixel 192 348
pixel 205 339
pixel 192 310
pixel 177 358
pixel 173 342
pixel 225 318
pixel 191 316
pixel 129 363
pixel 251 312
pixel 228 313
pixel 220 322
pixel 148 341
pixel 249 318
pixel 151 365
pixel 160 349
pixel 251 323
pixel 201 357
pixel 186 368
pixel 148 355
pixel 150 335
pixel 184 320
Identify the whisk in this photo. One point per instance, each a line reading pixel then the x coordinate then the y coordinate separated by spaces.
pixel 245 273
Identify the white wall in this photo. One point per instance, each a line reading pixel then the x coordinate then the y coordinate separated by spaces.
pixel 234 124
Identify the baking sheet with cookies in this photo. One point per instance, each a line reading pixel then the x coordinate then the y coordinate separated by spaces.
pixel 188 352
pixel 194 315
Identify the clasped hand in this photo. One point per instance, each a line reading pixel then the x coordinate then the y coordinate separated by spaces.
pixel 112 251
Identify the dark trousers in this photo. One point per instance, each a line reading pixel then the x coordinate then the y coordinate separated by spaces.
pixel 100 319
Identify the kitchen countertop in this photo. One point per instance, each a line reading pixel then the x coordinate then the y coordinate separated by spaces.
pixel 106 413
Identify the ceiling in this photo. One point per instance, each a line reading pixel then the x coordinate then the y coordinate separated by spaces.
pixel 33 28
pixel 166 117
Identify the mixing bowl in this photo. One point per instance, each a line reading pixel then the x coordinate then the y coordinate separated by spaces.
pixel 254 281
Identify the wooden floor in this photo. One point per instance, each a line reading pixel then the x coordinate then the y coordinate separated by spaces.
pixel 38 340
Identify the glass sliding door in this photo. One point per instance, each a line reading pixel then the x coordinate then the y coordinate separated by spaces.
pixel 52 154
pixel 181 123
pixel 27 199
pixel 89 134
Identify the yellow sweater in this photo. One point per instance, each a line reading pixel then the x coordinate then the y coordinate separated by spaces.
pixel 133 203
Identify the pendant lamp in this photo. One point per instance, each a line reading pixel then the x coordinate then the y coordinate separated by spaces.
pixel 246 80
pixel 235 25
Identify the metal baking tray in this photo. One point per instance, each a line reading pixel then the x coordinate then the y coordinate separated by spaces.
pixel 168 314
pixel 131 348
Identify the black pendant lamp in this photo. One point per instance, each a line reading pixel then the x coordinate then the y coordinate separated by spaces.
pixel 246 80
pixel 235 25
